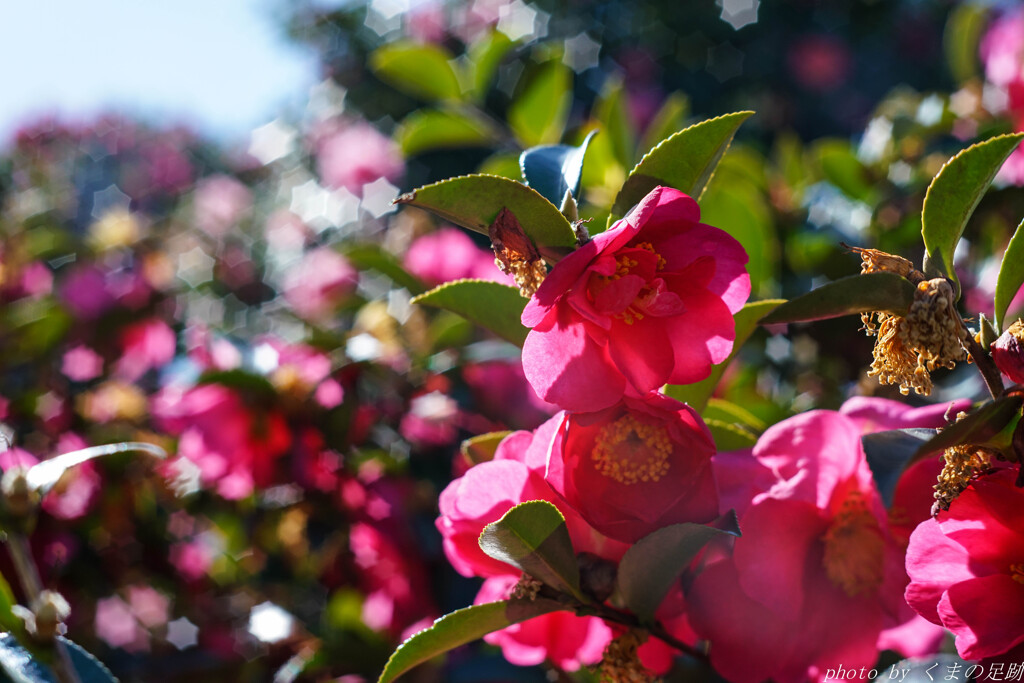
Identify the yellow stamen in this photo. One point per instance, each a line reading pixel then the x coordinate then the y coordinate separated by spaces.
pixel 630 451
pixel 1017 572
pixel 854 548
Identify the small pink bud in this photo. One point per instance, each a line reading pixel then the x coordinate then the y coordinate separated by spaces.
pixel 1008 352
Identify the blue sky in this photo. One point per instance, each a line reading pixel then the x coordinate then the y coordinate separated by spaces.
pixel 221 66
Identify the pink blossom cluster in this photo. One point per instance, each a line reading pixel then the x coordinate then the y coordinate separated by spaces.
pixel 1002 52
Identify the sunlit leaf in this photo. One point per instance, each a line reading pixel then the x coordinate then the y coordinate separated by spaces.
pixel 426 130
pixel 886 292
pixel 533 537
pixel 650 567
pixel 423 70
pixel 537 116
pixel 44 475
pixel 554 169
pixel 841 167
pixel 485 55
pixel 666 121
pixel 960 39
pixel 953 195
pixel 474 201
pixel 1011 276
pixel 492 305
pixel 461 627
pixel 746 318
pixel 729 436
pixel 685 161
pixel 481 448
pixel 612 111
pixel 740 209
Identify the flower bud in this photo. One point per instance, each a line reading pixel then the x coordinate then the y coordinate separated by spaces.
pixel 1008 352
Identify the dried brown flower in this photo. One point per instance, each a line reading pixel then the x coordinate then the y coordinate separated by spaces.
pixel 963 464
pixel 620 663
pixel 515 253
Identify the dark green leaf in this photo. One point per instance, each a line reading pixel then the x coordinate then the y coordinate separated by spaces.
pixel 612 112
pixel 18 666
pixel 538 115
pixel 492 305
pixel 841 167
pixel 8 621
pixel 960 39
pixel 952 197
pixel 44 475
pixel 368 256
pixel 982 427
pixel 886 292
pixel 482 448
pixel 685 161
pixel 474 201
pixel 533 537
pixel 553 169
pixel 730 436
pixel 746 318
pixel 1011 276
pixel 649 568
pixel 485 55
pixel 426 130
pixel 461 627
pixel 241 380
pixel 888 454
pixel 667 121
pixel 422 70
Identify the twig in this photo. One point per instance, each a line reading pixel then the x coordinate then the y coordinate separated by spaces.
pixel 986 366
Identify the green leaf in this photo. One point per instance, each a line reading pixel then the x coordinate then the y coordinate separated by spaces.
pixel 742 210
pixel 649 568
pixel 474 201
pixel 8 621
pixel 426 130
pixel 952 197
pixel 421 70
pixel 960 40
pixel 746 319
pixel 731 412
pixel 492 305
pixel 613 114
pixel 368 256
pixel 533 537
pixel 485 55
pixel 538 115
pixel 481 448
pixel 1011 276
pixel 978 428
pixel 45 475
pixel 502 164
pixel 888 454
pixel 886 292
pixel 667 121
pixel 729 436
pixel 841 167
pixel 17 665
pixel 685 161
pixel 554 169
pixel 461 627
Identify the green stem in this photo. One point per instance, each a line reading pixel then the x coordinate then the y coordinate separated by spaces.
pixel 986 366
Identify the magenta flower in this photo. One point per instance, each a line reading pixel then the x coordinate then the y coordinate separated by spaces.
pixel 966 567
pixel 647 302
pixel 566 640
pixel 873 414
pixel 81 364
pixel 490 489
pixel 357 154
pixel 220 203
pixel 317 284
pixel 815 545
pixel 145 345
pixel 450 254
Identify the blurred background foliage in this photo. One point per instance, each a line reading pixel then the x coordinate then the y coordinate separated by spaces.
pixel 249 309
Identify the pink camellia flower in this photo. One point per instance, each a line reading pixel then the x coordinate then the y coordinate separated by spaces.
pixel 357 154
pixel 873 414
pixel 635 467
pixel 1002 49
pixel 318 283
pixel 815 545
pixel 83 289
pixel 566 640
pixel 234 447
pixel 646 302
pixel 81 364
pixel 501 392
pixel 490 489
pixel 450 254
pixel 966 567
pixel 145 345
pixel 220 203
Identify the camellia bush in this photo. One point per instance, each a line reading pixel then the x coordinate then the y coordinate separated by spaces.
pixel 518 355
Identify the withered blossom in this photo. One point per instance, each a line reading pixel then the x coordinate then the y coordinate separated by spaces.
pixel 515 253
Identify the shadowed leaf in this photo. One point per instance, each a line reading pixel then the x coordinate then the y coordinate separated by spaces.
pixel 17 665
pixel 888 454
pixel 553 169
pixel 1011 276
pixel 886 292
pixel 371 256
pixel 649 568
pixel 426 130
pixel 977 428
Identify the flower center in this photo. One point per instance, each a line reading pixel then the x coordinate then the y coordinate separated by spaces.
pixel 624 265
pixel 854 548
pixel 631 451
pixel 1017 572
